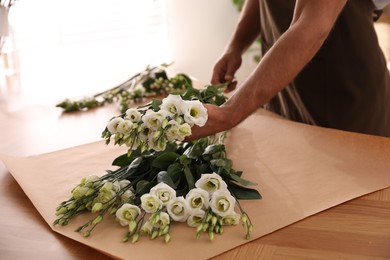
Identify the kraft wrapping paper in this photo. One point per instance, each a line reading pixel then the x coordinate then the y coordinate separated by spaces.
pixel 300 170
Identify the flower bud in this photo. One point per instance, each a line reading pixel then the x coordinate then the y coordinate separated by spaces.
pixel 135 238
pixel 97 219
pixel 154 234
pixel 214 220
pixel 199 228
pixel 167 238
pixel 72 205
pixel 132 226
pixel 211 235
pixel 205 227
pixel 61 211
pixel 244 218
pixel 250 228
pixel 209 216
pixel 97 207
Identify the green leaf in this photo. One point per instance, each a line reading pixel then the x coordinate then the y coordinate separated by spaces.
pixel 155 104
pixel 144 186
pixel 241 180
pixel 122 160
pixel 243 193
pixel 164 177
pixel 175 172
pixel 214 148
pixel 195 151
pixel 189 177
pixel 164 160
pixel 190 93
pixel 135 163
pixel 161 74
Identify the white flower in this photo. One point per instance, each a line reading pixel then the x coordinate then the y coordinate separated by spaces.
pixel 143 132
pixel 124 126
pixel 178 209
pixel 133 115
pixel 107 186
pixel 139 90
pixel 106 193
pixel 79 192
pixel 211 182
pixel 222 203
pixel 157 144
pixel 154 120
pixel 90 181
pixel 231 219
pixel 162 221
pixel 127 213
pixel 195 113
pixel 164 192
pixel 150 203
pixel 147 228
pixel 113 124
pixel 196 217
pixel 172 104
pixel 172 133
pixel 124 183
pixel 116 186
pixel 126 196
pixel 184 130
pixel 198 198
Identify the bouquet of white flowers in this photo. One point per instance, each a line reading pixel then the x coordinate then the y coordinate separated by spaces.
pixel 162 179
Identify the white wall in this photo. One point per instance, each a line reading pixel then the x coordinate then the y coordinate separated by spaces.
pixel 198 33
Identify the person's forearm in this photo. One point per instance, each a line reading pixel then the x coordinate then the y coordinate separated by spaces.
pixel 247 29
pixel 284 60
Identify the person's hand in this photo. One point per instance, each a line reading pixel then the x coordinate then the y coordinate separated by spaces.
pixel 225 69
pixel 217 122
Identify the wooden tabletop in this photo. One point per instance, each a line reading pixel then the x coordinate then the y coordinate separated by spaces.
pixel 357 229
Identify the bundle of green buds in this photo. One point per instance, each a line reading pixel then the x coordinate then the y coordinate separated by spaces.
pixel 152 82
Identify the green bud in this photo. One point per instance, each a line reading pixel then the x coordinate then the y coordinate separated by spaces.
pixel 199 228
pixel 97 207
pixel 217 229
pixel 97 219
pixel 165 229
pixel 72 205
pixel 125 239
pixel 211 235
pixel 208 218
pixel 135 238
pixel 156 134
pixel 244 218
pixel 167 238
pixel 164 123
pixel 205 227
pixel 87 233
pixel 132 226
pixel 156 218
pixel 61 211
pixel 113 211
pixel 154 234
pixel 214 220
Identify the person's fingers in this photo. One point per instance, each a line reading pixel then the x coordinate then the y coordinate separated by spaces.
pixel 218 75
pixel 232 86
pixel 229 77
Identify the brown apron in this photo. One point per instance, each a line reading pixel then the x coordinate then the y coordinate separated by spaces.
pixel 347 84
